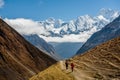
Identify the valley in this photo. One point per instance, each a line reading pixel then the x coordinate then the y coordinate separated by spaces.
pixel 59 40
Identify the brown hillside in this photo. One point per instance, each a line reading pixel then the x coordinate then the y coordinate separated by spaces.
pixel 19 60
pixel 102 62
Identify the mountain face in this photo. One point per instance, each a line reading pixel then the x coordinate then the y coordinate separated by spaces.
pixel 42 45
pixel 101 62
pixel 59 28
pixel 110 31
pixel 19 60
pixel 39 43
pixel 59 31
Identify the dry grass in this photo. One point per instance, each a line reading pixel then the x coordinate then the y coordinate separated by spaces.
pixel 102 62
pixel 54 72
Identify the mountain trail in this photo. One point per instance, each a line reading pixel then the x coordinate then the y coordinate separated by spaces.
pixel 78 74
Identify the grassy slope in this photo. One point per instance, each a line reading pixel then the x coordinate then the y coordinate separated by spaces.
pixel 54 72
pixel 102 62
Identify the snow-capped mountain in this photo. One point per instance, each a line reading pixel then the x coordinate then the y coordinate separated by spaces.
pixel 109 14
pixel 77 30
pixel 110 31
pixel 59 28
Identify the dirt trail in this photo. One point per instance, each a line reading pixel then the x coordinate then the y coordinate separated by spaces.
pixel 79 75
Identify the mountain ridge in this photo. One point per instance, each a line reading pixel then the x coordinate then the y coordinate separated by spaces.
pixel 110 31
pixel 42 45
pixel 19 60
pixel 101 62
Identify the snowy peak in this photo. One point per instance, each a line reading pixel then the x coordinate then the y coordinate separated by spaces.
pixel 110 31
pixel 50 20
pixel 84 22
pixel 54 28
pixel 109 13
pixel 101 17
pixel 81 24
pixel 58 23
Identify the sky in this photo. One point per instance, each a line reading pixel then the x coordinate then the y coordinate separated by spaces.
pixel 58 9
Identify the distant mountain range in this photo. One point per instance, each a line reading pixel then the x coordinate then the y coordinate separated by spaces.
pixel 83 25
pixel 59 28
pixel 110 31
pixel 59 31
pixel 19 60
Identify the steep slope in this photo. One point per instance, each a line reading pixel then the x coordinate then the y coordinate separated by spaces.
pixel 19 60
pixel 42 45
pixel 101 62
pixel 110 31
pixel 39 43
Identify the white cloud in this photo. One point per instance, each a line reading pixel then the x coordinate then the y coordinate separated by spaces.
pixel 1 3
pixel 82 37
pixel 26 26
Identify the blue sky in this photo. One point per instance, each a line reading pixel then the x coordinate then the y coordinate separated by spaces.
pixel 63 9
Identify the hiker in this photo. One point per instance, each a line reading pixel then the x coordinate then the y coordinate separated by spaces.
pixel 66 64
pixel 72 67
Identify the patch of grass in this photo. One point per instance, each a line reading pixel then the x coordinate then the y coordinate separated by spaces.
pixel 54 72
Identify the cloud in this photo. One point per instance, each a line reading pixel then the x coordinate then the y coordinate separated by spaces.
pixel 82 37
pixel 29 26
pixel 1 3
pixel 26 26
